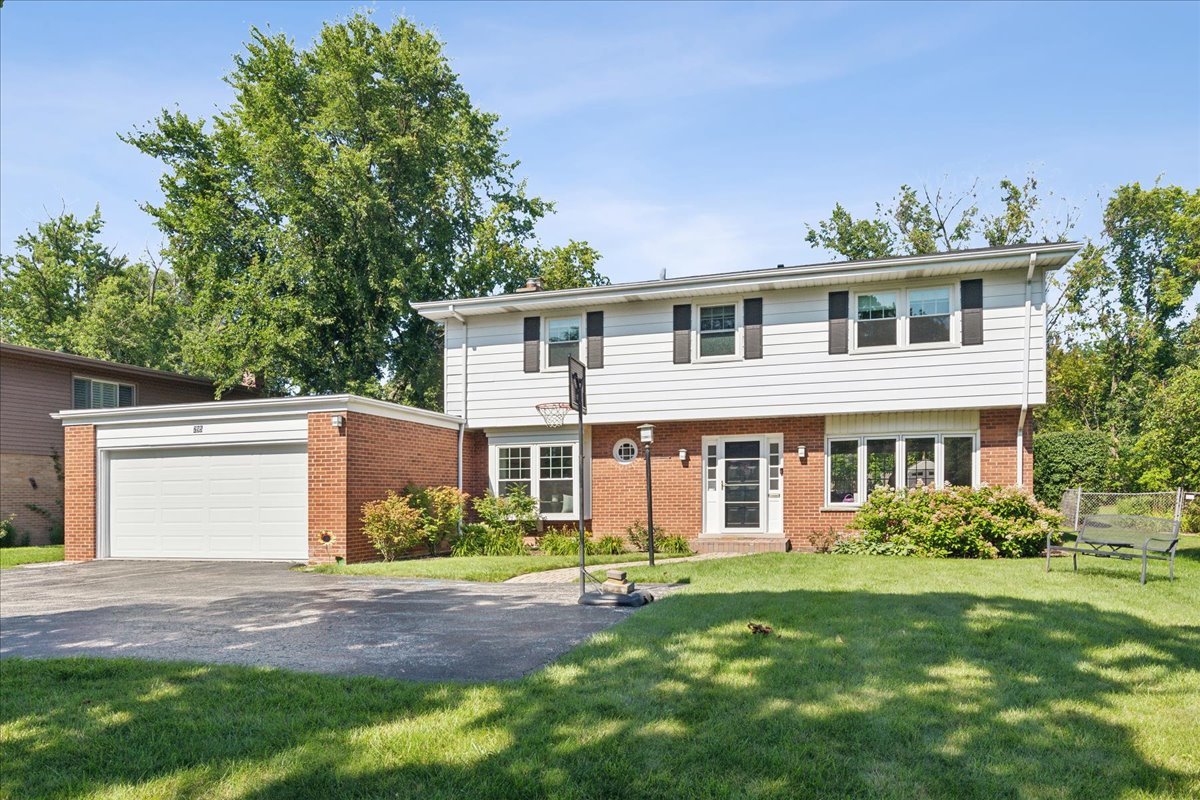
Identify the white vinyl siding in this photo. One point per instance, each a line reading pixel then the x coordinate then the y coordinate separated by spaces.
pixel 796 376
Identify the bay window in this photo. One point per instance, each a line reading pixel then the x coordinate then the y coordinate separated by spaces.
pixel 513 470
pixel 857 465
pixel 546 472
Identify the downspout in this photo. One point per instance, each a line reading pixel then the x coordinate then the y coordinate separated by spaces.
pixel 462 425
pixel 1025 370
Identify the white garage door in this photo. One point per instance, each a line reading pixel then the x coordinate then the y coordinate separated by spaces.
pixel 209 503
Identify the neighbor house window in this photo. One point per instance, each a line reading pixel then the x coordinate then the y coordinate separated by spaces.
pixel 513 469
pixel 876 319
pixel 90 393
pixel 546 472
pixel 897 462
pixel 929 315
pixel 562 340
pixel 718 331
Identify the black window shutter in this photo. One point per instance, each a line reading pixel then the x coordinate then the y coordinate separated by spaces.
pixel 82 390
pixel 971 296
pixel 839 323
pixel 595 339
pixel 533 343
pixel 683 334
pixel 752 321
pixel 124 395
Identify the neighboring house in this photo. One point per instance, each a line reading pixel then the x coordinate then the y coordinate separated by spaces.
pixel 36 383
pixel 780 398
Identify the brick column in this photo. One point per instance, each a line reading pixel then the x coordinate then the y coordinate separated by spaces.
pixel 327 450
pixel 79 492
pixel 998 447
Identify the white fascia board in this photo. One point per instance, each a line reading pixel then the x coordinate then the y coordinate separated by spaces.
pixel 260 408
pixel 1049 257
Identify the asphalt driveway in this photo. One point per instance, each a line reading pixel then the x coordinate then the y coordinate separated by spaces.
pixel 266 614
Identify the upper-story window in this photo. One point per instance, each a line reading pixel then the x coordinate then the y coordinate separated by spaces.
pixel 562 340
pixel 903 317
pixel 718 330
pixel 91 393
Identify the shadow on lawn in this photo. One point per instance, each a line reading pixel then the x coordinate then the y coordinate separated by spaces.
pixel 936 695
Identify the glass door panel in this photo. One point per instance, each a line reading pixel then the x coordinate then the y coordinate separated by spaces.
pixel 743 489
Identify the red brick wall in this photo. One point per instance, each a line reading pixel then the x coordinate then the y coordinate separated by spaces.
pixel 79 505
pixel 620 489
pixel 360 462
pixel 998 447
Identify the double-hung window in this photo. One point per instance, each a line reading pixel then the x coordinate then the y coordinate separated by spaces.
pixel 562 340
pixel 858 465
pixel 899 318
pixel 91 393
pixel 718 330
pixel 545 472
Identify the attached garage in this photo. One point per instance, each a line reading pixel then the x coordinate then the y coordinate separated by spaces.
pixel 209 502
pixel 269 479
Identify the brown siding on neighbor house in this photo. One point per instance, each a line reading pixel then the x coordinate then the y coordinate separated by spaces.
pixel 79 506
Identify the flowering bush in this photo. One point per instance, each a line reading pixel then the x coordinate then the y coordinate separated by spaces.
pixel 959 522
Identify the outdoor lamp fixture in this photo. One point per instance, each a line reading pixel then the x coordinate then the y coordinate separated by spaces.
pixel 683 454
pixel 338 421
pixel 646 433
pixel 801 452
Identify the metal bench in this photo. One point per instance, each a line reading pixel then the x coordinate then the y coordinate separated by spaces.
pixel 1125 536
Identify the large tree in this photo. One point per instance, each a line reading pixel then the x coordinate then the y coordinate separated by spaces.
pixel 62 289
pixel 346 181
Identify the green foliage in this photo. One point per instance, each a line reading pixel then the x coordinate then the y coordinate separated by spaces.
pixel 927 221
pixel 1066 459
pixel 441 510
pixel 555 542
pixel 479 540
pixel 1168 451
pixel 345 181
pixel 8 531
pixel 960 522
pixel 609 546
pixel 672 545
pixel 393 525
pixel 1190 523
pixel 638 538
pixel 513 514
pixel 63 290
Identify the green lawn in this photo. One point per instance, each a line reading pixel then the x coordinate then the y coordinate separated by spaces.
pixel 471 568
pixel 16 556
pixel 886 678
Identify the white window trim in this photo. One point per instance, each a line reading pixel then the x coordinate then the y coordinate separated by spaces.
pixel 132 386
pixel 862 491
pixel 546 340
pixel 535 473
pixel 708 527
pixel 902 318
pixel 617 446
pixel 737 331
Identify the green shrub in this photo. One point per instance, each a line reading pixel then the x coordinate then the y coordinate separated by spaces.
pixel 959 522
pixel 441 510
pixel 8 532
pixel 559 543
pixel 638 536
pixel 673 545
pixel 1191 517
pixel 857 545
pixel 609 546
pixel 392 525
pixel 479 540
pixel 1066 459
pixel 514 514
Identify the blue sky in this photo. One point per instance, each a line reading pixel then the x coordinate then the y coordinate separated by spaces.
pixel 693 138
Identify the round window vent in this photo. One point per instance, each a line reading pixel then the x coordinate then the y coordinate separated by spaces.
pixel 625 451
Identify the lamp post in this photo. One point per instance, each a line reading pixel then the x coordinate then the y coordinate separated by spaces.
pixel 647 435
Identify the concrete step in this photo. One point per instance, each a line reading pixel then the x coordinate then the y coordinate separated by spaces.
pixel 741 544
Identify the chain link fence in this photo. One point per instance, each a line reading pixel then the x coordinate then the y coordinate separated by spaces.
pixel 1077 504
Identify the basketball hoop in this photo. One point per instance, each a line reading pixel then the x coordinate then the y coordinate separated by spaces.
pixel 553 413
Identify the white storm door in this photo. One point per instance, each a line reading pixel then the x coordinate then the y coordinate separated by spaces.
pixel 742 473
pixel 209 503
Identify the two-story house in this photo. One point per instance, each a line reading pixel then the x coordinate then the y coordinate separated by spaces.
pixel 780 399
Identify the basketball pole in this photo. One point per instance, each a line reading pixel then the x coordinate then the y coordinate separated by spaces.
pixel 579 504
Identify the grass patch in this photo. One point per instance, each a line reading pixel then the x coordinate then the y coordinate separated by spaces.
pixel 16 556
pixel 487 569
pixel 887 678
